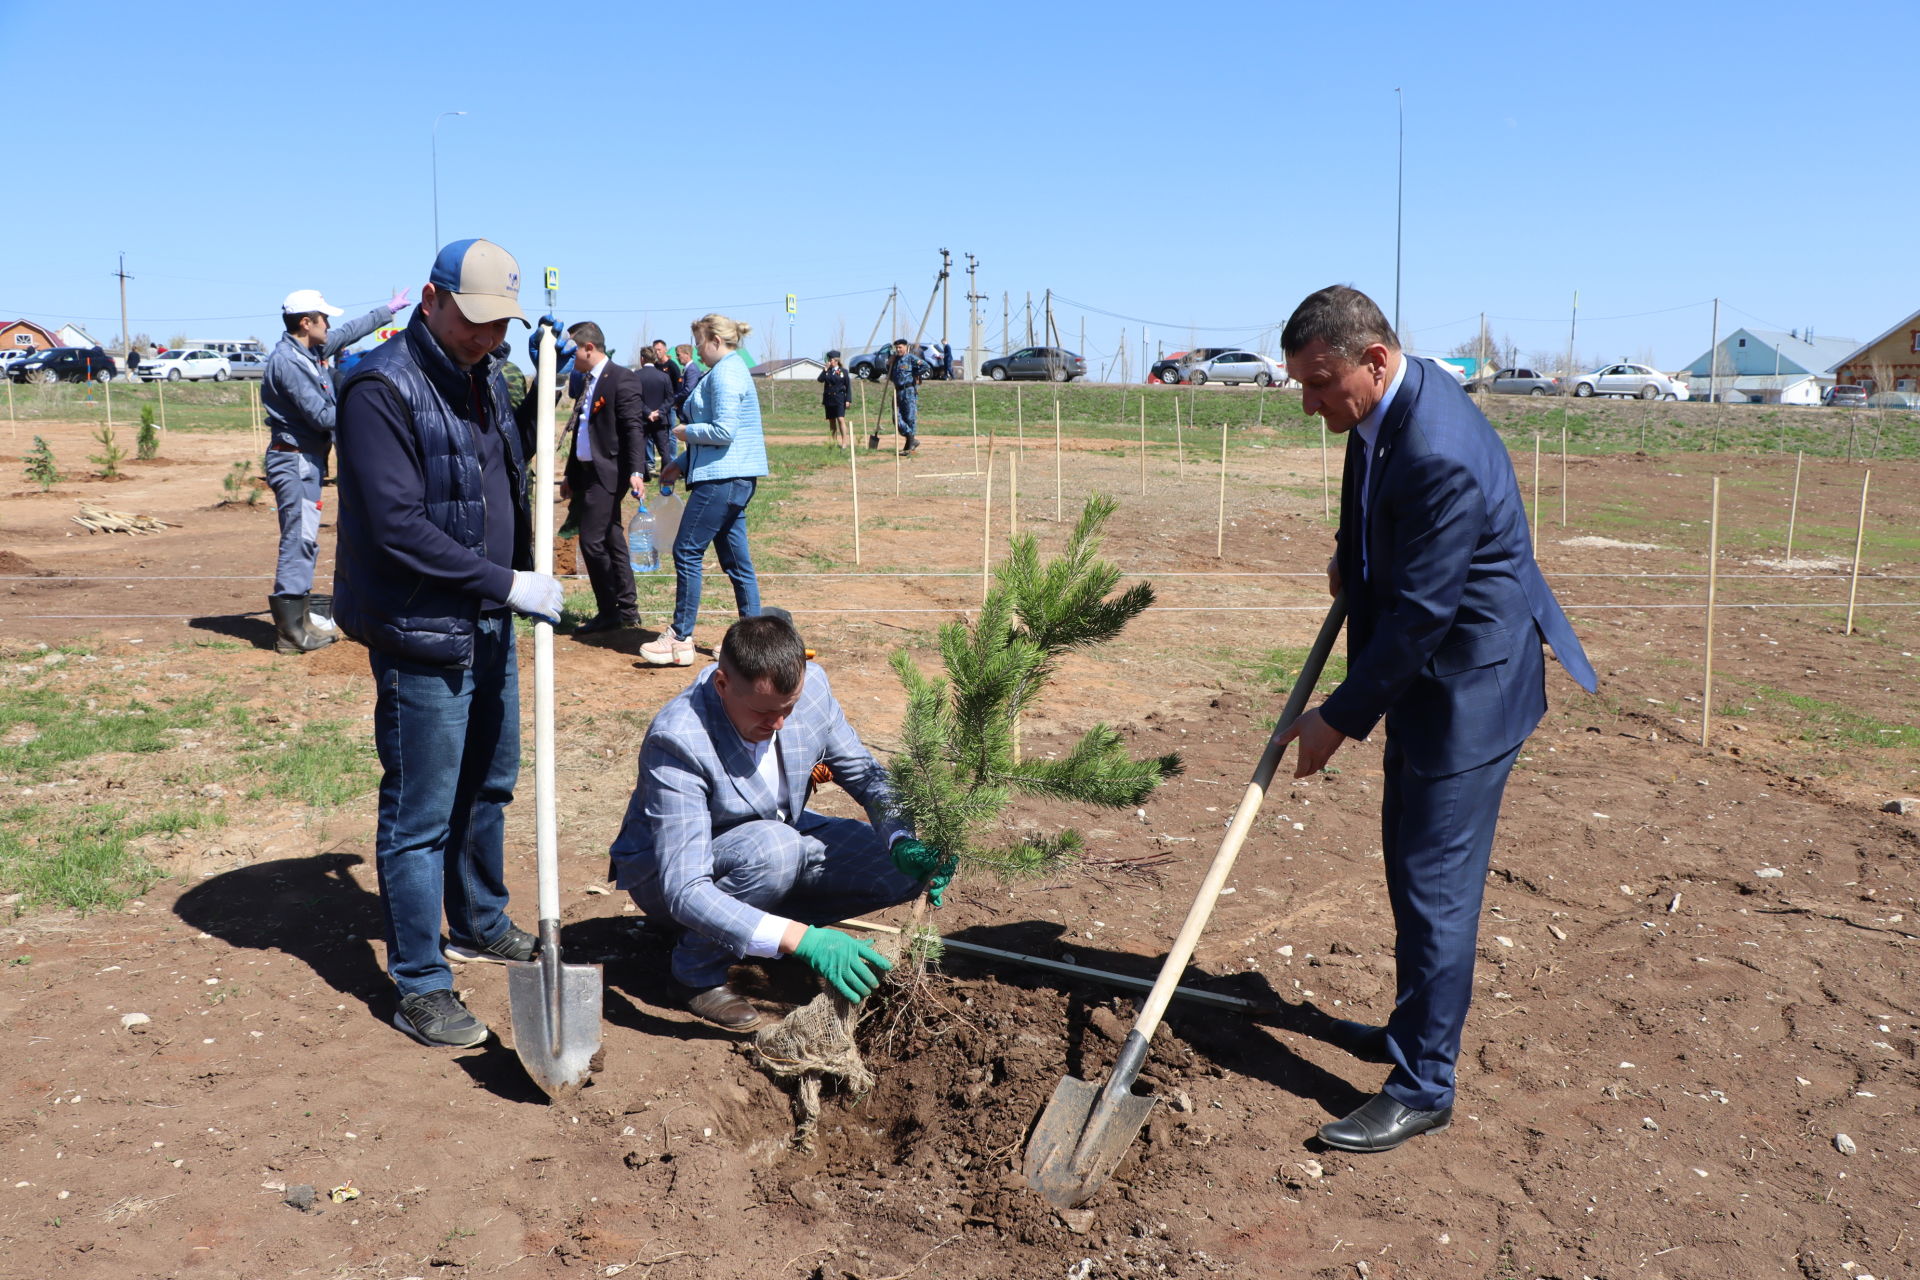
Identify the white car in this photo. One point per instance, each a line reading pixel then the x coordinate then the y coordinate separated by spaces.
pixel 1629 380
pixel 193 366
pixel 1233 367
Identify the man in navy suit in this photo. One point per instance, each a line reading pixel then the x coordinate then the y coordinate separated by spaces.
pixel 1446 614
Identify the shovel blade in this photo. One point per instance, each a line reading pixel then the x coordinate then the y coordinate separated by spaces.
pixel 1076 1145
pixel 556 1022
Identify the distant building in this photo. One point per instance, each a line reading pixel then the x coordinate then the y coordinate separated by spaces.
pixel 25 335
pixel 1892 358
pixel 72 335
pixel 1766 366
pixel 803 369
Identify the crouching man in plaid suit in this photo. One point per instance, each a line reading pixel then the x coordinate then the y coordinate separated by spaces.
pixel 718 836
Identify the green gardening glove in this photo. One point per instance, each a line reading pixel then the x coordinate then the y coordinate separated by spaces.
pixel 915 859
pixel 848 964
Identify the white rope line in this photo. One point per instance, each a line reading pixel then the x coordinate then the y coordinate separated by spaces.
pixel 975 573
pixel 1156 609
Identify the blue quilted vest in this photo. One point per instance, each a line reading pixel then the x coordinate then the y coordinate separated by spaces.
pixel 376 601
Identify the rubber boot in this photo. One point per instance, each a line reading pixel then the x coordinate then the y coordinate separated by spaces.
pixel 290 620
pixel 320 616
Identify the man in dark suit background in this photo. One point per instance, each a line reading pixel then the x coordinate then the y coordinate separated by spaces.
pixel 1447 612
pixel 657 387
pixel 607 460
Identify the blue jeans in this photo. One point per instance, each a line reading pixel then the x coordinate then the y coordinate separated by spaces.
pixel 906 409
pixel 449 743
pixel 716 516
pixel 817 871
pixel 295 480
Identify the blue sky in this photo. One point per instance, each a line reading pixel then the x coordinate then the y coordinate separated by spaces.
pixel 1198 169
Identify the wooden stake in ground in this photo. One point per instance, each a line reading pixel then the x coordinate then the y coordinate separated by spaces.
pixel 896 473
pixel 1179 440
pixel 853 476
pixel 162 387
pixel 1713 583
pixel 986 528
pixel 1143 446
pixel 1220 539
pixel 1793 506
pixel 1261 420
pixel 1536 493
pixel 975 393
pixel 1013 495
pixel 1563 473
pixel 1859 541
pixel 1056 460
pixel 1326 481
pixel 1020 417
pixel 108 386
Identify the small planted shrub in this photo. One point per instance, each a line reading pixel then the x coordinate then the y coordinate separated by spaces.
pixel 111 455
pixel 40 465
pixel 147 445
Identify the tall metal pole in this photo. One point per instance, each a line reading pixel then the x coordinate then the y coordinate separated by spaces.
pixel 126 338
pixel 1399 192
pixel 946 297
pixel 436 175
pixel 974 299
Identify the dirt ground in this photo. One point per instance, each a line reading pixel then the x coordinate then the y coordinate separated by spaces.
pixel 1692 1053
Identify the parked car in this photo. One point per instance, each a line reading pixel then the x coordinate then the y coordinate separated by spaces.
pixel 64 364
pixel 195 365
pixel 873 365
pixel 247 364
pixel 1845 395
pixel 1054 363
pixel 1517 382
pixel 1173 368
pixel 1235 367
pixel 1894 400
pixel 1629 380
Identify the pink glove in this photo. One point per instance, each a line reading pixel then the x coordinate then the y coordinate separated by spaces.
pixel 397 301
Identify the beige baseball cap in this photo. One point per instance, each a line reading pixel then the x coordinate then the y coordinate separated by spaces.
pixel 483 279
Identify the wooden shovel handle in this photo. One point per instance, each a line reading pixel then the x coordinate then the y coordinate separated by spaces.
pixel 1250 800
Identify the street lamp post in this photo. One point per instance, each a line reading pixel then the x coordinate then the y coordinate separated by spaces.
pixel 436 174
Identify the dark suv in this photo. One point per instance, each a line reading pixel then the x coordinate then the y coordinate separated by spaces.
pixel 64 364
pixel 1051 363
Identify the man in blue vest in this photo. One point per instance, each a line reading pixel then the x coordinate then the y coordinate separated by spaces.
pixel 435 555
pixel 1446 614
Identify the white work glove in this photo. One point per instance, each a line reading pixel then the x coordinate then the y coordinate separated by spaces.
pixel 537 595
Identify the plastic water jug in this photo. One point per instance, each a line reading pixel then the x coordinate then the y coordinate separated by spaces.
pixel 643 547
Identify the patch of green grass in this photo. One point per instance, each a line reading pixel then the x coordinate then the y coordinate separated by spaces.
pixel 80 859
pixel 321 765
pixel 1820 721
pixel 42 728
pixel 1281 667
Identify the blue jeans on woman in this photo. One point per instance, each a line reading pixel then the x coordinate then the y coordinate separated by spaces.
pixel 449 743
pixel 716 516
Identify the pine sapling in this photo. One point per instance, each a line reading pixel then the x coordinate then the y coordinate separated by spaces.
pixel 238 485
pixel 40 466
pixel 111 455
pixel 147 446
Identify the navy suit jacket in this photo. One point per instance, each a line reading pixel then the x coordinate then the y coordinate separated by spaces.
pixel 1443 637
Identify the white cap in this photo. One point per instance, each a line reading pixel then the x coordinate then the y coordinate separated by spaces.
pixel 302 301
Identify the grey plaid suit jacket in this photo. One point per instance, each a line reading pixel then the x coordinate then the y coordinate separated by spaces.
pixel 697 783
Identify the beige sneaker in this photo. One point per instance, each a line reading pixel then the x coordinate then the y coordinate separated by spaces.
pixel 668 651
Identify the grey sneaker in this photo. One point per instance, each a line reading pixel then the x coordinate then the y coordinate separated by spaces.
pixel 438 1018
pixel 514 944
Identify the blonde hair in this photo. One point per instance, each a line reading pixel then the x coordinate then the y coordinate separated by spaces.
pixel 684 351
pixel 727 332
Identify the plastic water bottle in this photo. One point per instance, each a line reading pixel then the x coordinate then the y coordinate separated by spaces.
pixel 643 548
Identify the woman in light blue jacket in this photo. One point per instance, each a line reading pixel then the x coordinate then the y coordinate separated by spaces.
pixel 723 458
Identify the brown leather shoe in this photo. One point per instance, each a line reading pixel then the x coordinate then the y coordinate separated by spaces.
pixel 724 1008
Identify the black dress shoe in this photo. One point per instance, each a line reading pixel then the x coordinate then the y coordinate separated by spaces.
pixel 1381 1124
pixel 597 623
pixel 724 1008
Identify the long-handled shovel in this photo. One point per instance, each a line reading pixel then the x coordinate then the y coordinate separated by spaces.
pixel 1086 1128
pixel 556 1006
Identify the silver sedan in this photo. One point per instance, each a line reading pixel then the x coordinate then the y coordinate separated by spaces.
pixel 1235 367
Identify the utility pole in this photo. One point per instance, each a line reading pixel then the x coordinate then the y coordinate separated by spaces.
pixel 1005 321
pixel 126 336
pixel 1481 372
pixel 1713 357
pixel 946 296
pixel 1029 317
pixel 974 299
